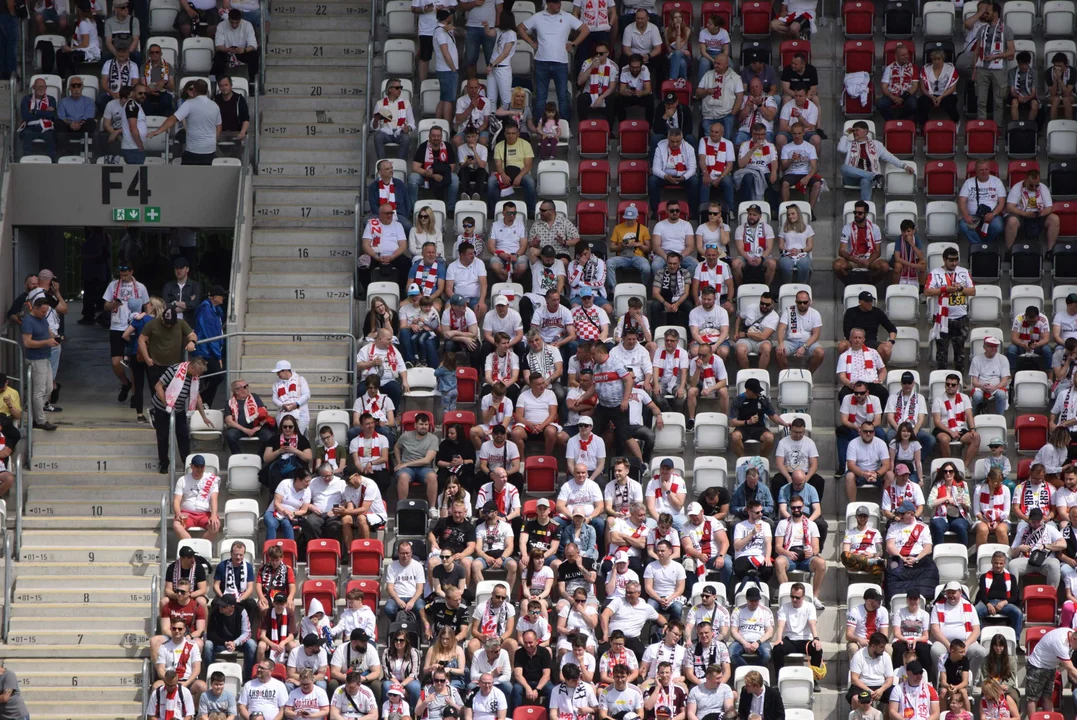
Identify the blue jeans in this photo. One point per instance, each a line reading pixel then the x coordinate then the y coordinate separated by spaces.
pixel 544 70
pixel 518 699
pixel 688 262
pixel 477 38
pixel 736 654
pixel 9 42
pixel 616 263
pixel 493 194
pixel 793 271
pixel 395 392
pixel 392 608
pixel 209 652
pixel 274 525
pixel 133 157
pixel 448 81
pixel 1012 352
pixel 674 609
pixel 994 231
pixel 889 111
pixel 421 347
pixel 655 185
pixel 727 124
pixel 30 134
pixel 999 396
pixel 678 65
pixel 1012 613
pixel 743 137
pixel 415 181
pixel 413 689
pixel 940 525
pixel 725 187
pixel 926 440
pixel 725 574
pixel 856 176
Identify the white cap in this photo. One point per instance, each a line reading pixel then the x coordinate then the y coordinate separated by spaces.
pixel 953 585
pixel 991 340
pixel 282 365
pixel 694 509
pixel 620 557
pixel 585 420
pixel 501 300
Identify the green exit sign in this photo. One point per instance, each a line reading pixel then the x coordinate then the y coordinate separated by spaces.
pixel 149 214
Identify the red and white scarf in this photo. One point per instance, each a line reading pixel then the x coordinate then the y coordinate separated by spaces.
pixel 869 408
pixel 207 485
pixel 250 408
pixel 1032 200
pixel 993 504
pixel 41 104
pixel 905 412
pixel 955 412
pixel 387 193
pixel 907 493
pixel 427 277
pixel 941 510
pixel 804 527
pixel 595 14
pixel 288 390
pixel 120 284
pixel 989 579
pixel 862 241
pixel 754 239
pixel 1035 498
pixel 966 609
pixel 278 625
pixel 941 324
pixel 502 368
pixel 901 77
pixel 675 160
pixel 429 160
pixel 1029 334
pixel 916 701
pixel 373 406
pixel 600 77
pixel 671 362
pixel 375 234
pixel 707 374
pixel 715 156
pixel 182 668
pixel 867 542
pixel 940 83
pixel 175 387
pixel 372 448
pixel 706 546
pixel 991 42
pixel 331 457
pixel 493 620
pixel 864 152
pixel 719 81
pixel 863 363
pixel 401 115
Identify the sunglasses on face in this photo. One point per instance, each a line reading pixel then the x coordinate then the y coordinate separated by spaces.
pixel 76 85
pixel 674 212
pixel 860 394
pixel 867 432
pixel 802 302
pixel 951 384
pixel 242 387
pixel 712 213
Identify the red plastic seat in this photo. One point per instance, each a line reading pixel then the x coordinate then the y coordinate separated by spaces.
pixel 323 558
pixel 789 48
pixel 899 137
pixel 1018 169
pixel 594 179
pixel 291 553
pixel 1067 218
pixel 940 179
pixel 594 138
pixel 858 56
pixel 530 509
pixel 280 672
pixel 890 46
pixel 940 139
pixel 529 712
pixel 462 418
pixel 755 20
pixel 540 474
pixel 724 10
pixel 643 208
pixel 371 592
pixel 858 19
pixel 852 107
pixel 324 590
pixel 1031 431
pixel 1024 470
pixel 970 169
pixel 592 218
pixel 407 420
pixel 467 384
pixel 632 178
pixel 634 137
pixel 981 138
pixel 367 556
pixel 1046 716
pixel 1041 604
pixel 681 204
pixel 1032 636
pixel 671 6
pixel 682 88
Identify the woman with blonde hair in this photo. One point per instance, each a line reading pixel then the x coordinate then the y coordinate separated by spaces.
pixel 449 656
pixel 519 110
pixel 996 703
pixel 425 230
pixel 796 240
pixel 153 308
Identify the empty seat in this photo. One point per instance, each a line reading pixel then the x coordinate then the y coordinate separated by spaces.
pixel 897 211
pixel 794 389
pixel 940 137
pixel 197 55
pixel 906 350
pixel 593 180
pixel 632 178
pixel 400 56
pixel 671 436
pixel 163 16
pixel 712 431
pixel 401 20
pixel 1020 17
pixel 1058 18
pixel 903 303
pixel 858 56
pixel 981 138
pixel 940 220
pixel 633 137
pixel 952 559
pixel 897 182
pixel 1061 138
pixel 709 471
pixel 1031 390
pixel 940 179
pixel 858 19
pixel 986 305
pixel 540 474
pixel 796 685
pixel 241 517
pixel 938 19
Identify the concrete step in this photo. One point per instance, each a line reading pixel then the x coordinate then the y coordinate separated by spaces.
pixel 356 64
pixel 93 624
pixel 319 90
pixel 87 679
pixel 295 349
pixel 305 268
pixel 319 23
pixel 323 397
pixel 298 323
pixel 289 178
pixel 344 101
pixel 116 449
pixel 53 610
pixel 304 77
pixel 91 493
pixel 31 665
pixel 286 221
pixel 101 695
pixel 99 508
pixel 82 597
pixel 321 143
pixel 94 463
pixel 322 170
pixel 291 8
pixel 112 707
pixel 265 362
pixel 291 239
pixel 42 477
pixel 289 36
pixel 60 554
pixel 84 651
pixel 314 156
pixel 316 307
pixel 313 279
pixel 282 124
pixel 315 117
pixel 60 522
pixel 119 539
pixel 114 576
pixel 299 296
pixel 339 251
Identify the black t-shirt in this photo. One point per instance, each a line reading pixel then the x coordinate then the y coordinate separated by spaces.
pixel 713 509
pixel 176 572
pixel 532 667
pixel 440 615
pixel 539 536
pixel 453 535
pixel 954 670
pixel 131 109
pixel 869 322
pixel 745 407
pixel 234 112
pixel 804 81
pixel 446 577
pixel 571 574
pixel 450 154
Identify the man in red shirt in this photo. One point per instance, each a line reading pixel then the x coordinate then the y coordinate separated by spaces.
pixel 186 608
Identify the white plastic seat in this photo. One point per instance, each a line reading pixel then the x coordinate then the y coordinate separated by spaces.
pixel 198 55
pixel 802 205
pixel 1031 390
pixel 794 389
pixel 712 432
pixel 1060 46
pixel 427 123
pixel 986 305
pixel 671 437
pixel 421 382
pixel 906 350
pixel 898 183
pixel 233 675
pixel 799 714
pixel 58 41
pixel 399 57
pixel 897 211
pixel 241 518
pixel 523 60
pixel 854 595
pixel 1061 136
pixel 170 48
pixel 789 417
pixel 54 86
pixel 1058 300
pixel 553 178
pixel 938 20
pixel 936 383
pixel 512 291
pixel 940 220
pixel 214 432
pixel 475 209
pixel 903 303
pixel 1021 296
pixel 429 96
pixel 1058 16
pixel 521 210
pixel 984 553
pixel 990 427
pixel 523 9
pixel 203 548
pixel 387 291
pixel 952 560
pixel 988 633
pixel 849 208
pixel 874 513
pixel 338 420
pixel 213 463
pixel 748 295
pixel 243 469
pixel 1020 17
pixel 738 676
pixel 401 18
pixel 708 471
pixel 621 294
pixel 71 160
pixel 224 549
pixel 35 160
pixel 742 211
pixel 760 374
pixel 978 335
pixel 938 462
pixel 158 143
pixel 163 16
pixel 851 295
pixel 788 293
pixel 796 685
pixel 933 254
pixel 893 380
pixel 227 162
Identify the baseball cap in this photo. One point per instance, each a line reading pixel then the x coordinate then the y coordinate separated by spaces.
pixel 694 509
pixel 578 510
pixel 991 340
pixel 311 640
pixel 620 557
pixel 541 502
pixel 413 289
pixel 756 208
pixel 168 317
pixel 631 213
pixel 585 420
pixel 901 469
pixel 906 506
pixel 752 593
pixel 1071 298
pixel 489 507
pixel 228 600
pixel 186 552
pixel 359 634
pixel 457 300
pixel 670 97
pixel 396 689
pixel 282 365
pixel 180 261
pixel 754 385
pixel 217 291
pixel 501 300
pixel 587 292
pixel 280 598
pixel 952 585
pixel 198 461
pixel 996 442
pixel 866 296
pixel 907 377
pixel 667 463
pixel 864 696
pixel 548 251
pixel 862 510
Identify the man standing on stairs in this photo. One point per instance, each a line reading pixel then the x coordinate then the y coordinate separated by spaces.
pixel 177 392
pixel 123 297
pixel 208 323
pixel 184 293
pixel 38 341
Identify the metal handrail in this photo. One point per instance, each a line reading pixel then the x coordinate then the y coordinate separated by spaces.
pixel 145 686
pixel 350 370
pixel 358 223
pixel 9 557
pixel 236 237
pixel 263 12
pixel 163 558
pixel 171 472
pixel 18 504
pixel 155 603
pixel 23 378
pixel 28 413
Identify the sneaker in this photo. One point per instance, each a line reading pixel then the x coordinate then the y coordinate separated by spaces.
pixel 125 390
pixel 689 424
pixel 44 426
pixel 409 365
pixel 816 688
pixel 162 468
pixel 434 514
pixel 49 407
pixel 140 418
pixel 55 395
pixel 818 604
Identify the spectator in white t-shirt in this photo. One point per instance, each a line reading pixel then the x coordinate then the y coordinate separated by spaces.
pixel 797 629
pixel 194 503
pixel 551 57
pixel 664 582
pixel 202 119
pixel 981 201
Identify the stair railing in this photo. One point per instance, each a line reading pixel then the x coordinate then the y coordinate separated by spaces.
pixel 19 486
pixel 9 552
pixel 163 555
pixel 355 266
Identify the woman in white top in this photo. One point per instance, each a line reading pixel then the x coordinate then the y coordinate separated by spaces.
pixel 85 46
pixel 679 43
pixel 453 491
pixel 290 502
pixel 796 240
pixel 938 83
pixel 713 41
pixel 425 230
pixel 906 449
pixel 714 232
pixel 537 580
pixel 1054 455
pixel 499 71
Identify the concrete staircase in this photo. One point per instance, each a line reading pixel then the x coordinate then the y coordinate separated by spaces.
pixel 304 208
pixel 82 580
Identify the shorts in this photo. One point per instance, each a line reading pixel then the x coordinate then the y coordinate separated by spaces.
pixel 752 432
pixel 1039 683
pixel 205 17
pixel 794 179
pixel 196 520
pixel 497 261
pixel 533 436
pixel 755 273
pixel 484 135
pixel 481 562
pixel 572 431
pixel 1032 227
pixel 791 346
pixel 960 434
pixel 752 345
pixel 416 475
pixel 861 482
pixel 50 15
pixel 117 346
pixel 802 565
pixel 426 47
pixel 448 81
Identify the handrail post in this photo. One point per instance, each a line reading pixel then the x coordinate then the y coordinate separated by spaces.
pixel 145 686
pixel 163 557
pixel 155 607
pixel 263 11
pixel 29 414
pixel 355 266
pixel 171 452
pixel 18 504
